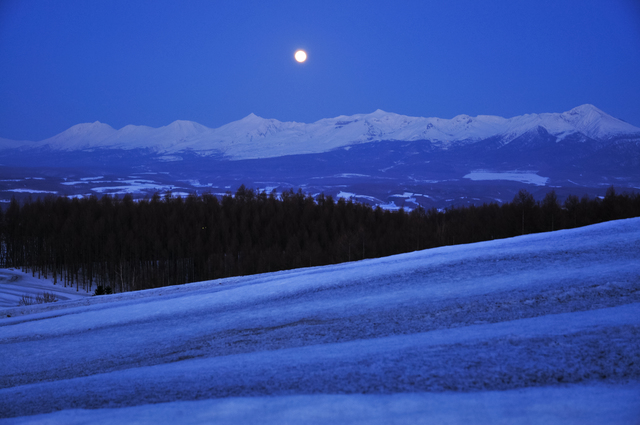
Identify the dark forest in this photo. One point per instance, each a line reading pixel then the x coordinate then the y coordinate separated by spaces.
pixel 128 245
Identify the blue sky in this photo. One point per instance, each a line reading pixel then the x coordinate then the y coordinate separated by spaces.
pixel 213 62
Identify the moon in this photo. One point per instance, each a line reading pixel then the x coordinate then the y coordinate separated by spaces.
pixel 300 56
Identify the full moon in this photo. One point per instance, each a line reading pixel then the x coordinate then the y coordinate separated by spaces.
pixel 301 56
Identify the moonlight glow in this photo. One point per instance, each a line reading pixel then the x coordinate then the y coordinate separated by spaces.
pixel 301 56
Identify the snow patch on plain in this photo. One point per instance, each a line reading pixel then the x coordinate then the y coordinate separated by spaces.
pixel 30 191
pixel 516 176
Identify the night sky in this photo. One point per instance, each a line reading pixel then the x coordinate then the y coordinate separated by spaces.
pixel 153 62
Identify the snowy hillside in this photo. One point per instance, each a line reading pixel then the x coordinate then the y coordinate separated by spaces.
pixel 14 284
pixel 255 137
pixel 536 329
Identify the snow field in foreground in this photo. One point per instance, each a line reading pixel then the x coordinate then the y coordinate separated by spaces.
pixel 582 405
pixel 537 327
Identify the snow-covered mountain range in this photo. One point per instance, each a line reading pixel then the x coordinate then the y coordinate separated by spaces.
pixel 256 137
pixel 380 158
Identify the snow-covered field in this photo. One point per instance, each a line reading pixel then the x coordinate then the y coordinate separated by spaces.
pixel 536 329
pixel 14 284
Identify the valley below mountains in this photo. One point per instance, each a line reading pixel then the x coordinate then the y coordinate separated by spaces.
pixel 381 158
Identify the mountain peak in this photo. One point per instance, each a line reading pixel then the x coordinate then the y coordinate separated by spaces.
pixel 252 118
pixel 92 129
pixel 80 136
pixel 380 113
pixel 95 124
pixel 585 109
pixel 185 125
pixel 596 123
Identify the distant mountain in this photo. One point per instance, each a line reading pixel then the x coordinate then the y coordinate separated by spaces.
pixel 255 137
pixel 381 158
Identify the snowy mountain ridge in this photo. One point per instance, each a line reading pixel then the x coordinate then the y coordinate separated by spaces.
pixel 256 137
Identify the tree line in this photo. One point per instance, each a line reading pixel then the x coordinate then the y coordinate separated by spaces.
pixel 127 245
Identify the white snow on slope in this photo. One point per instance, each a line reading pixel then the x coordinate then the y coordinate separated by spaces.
pixel 255 137
pixel 82 136
pixel 14 284
pixel 539 329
